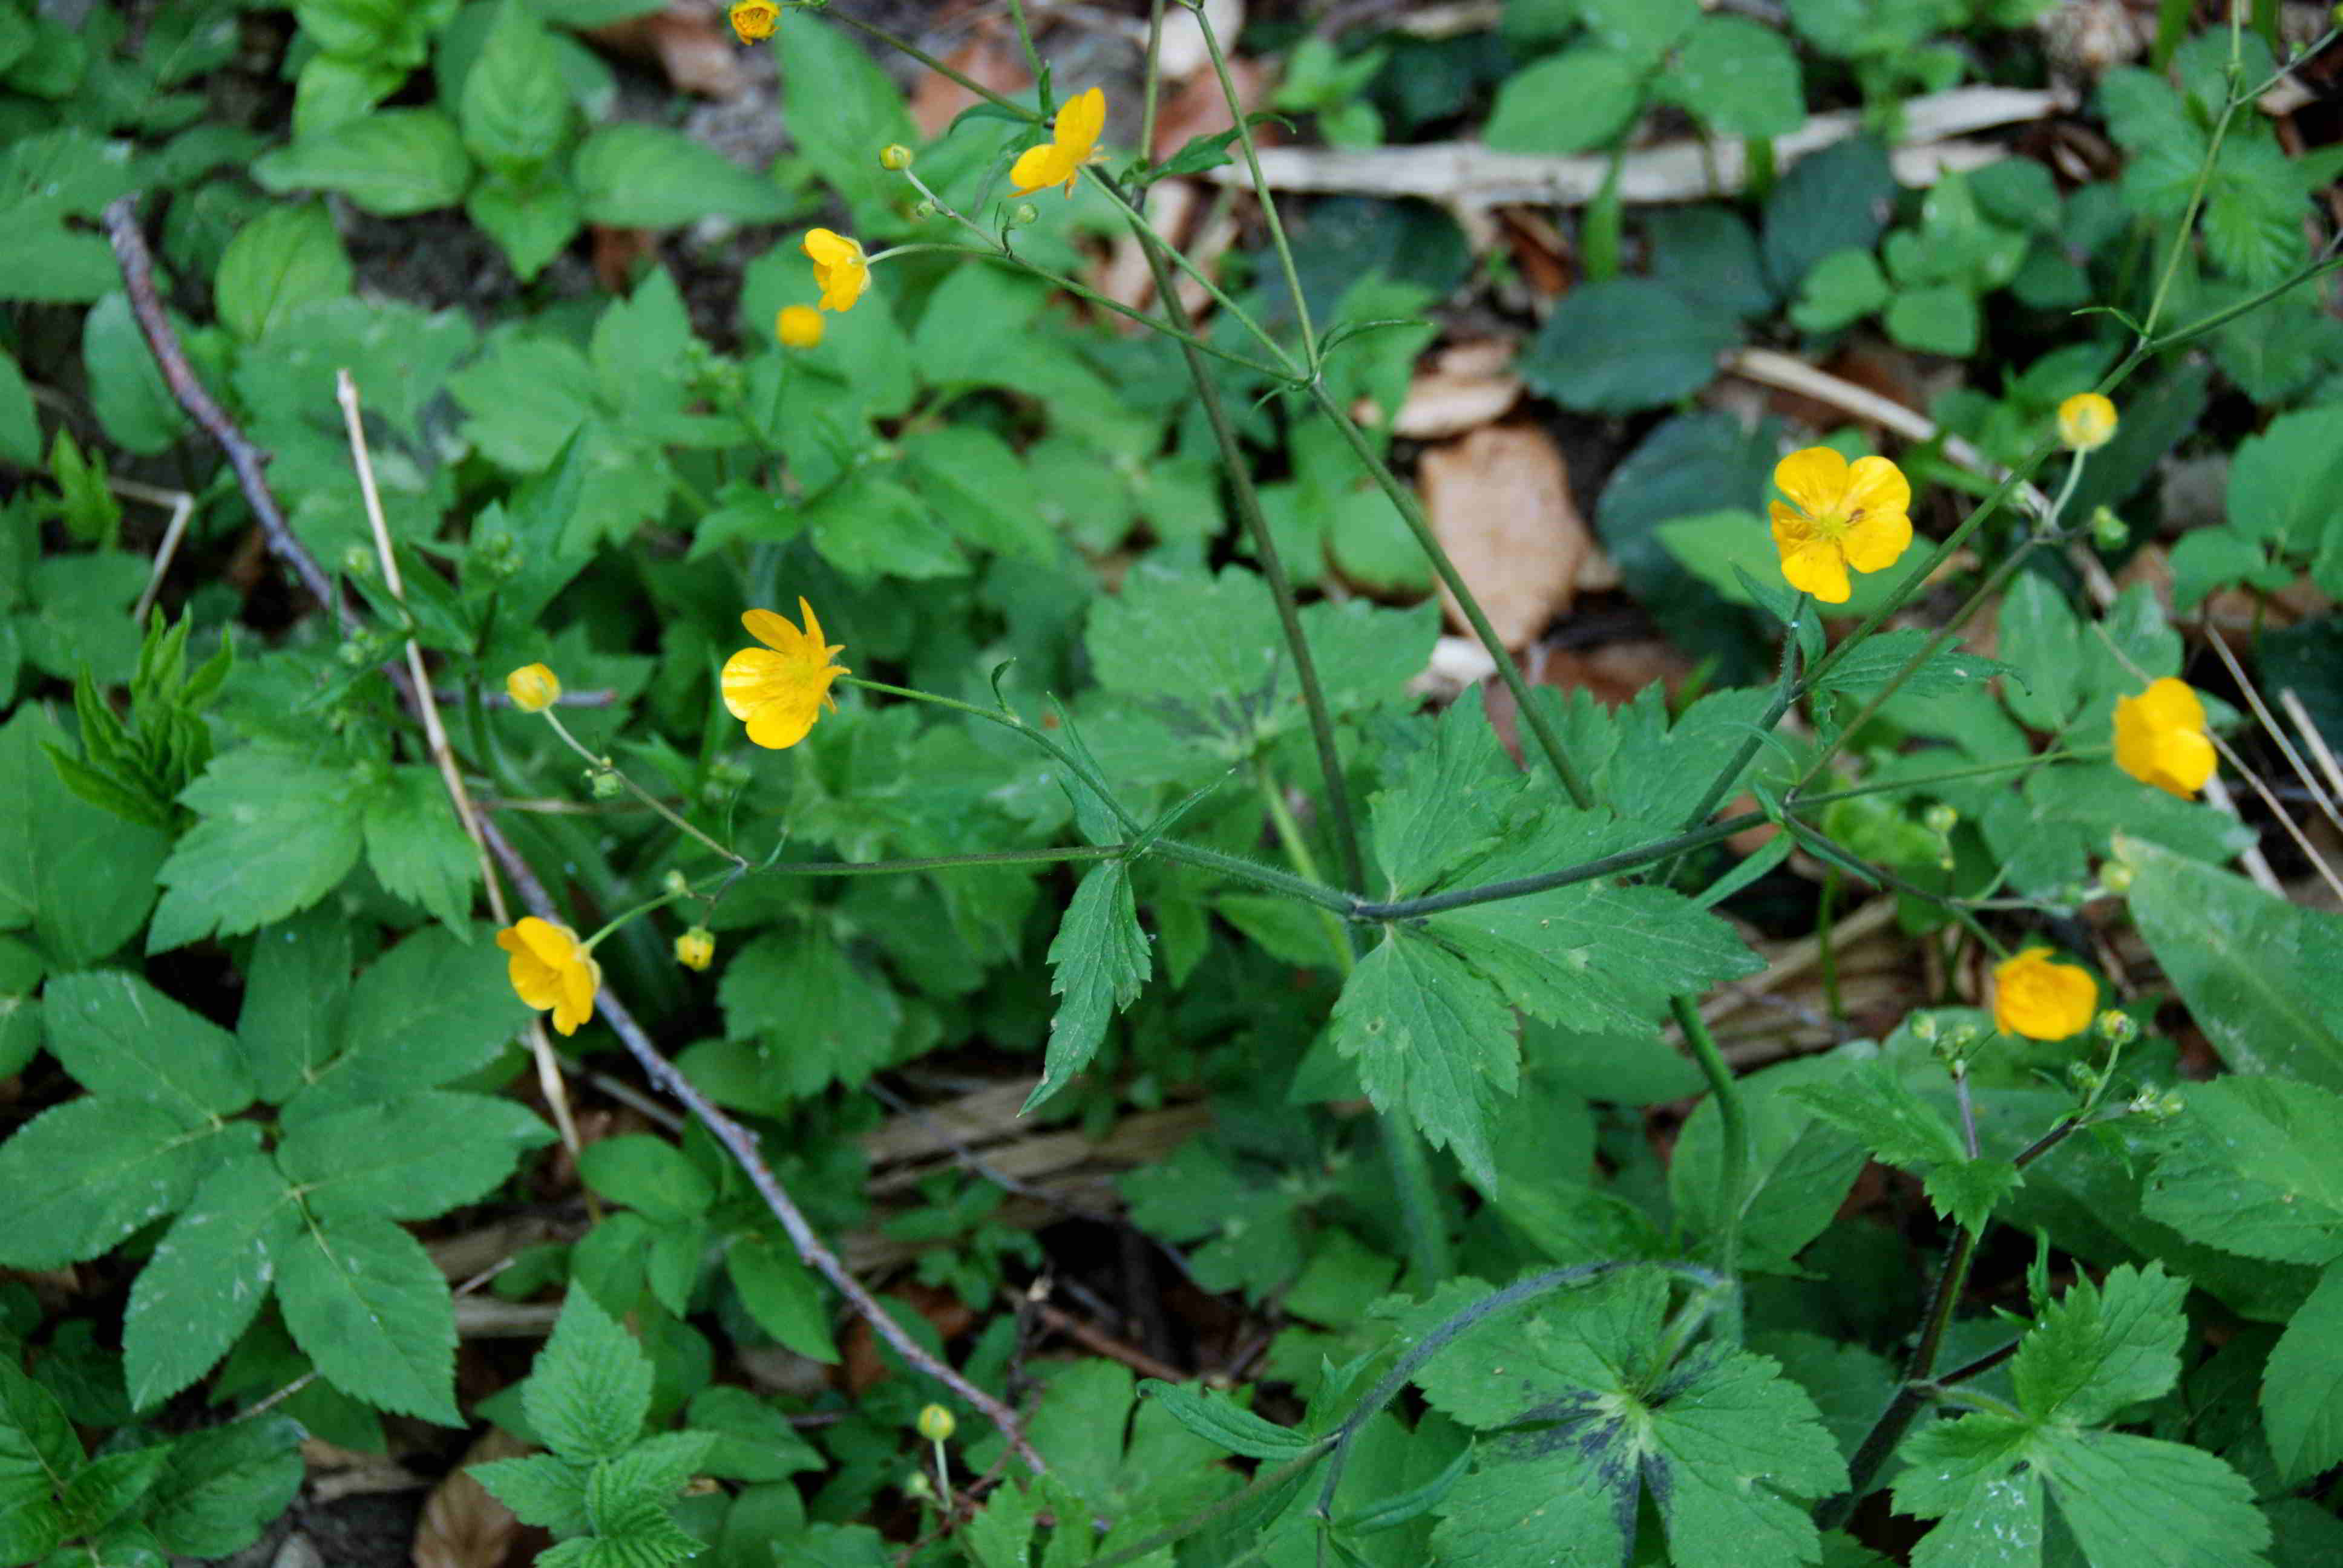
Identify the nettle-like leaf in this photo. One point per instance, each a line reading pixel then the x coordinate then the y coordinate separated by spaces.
pixel 1580 1421
pixel 1098 965
pixel 2125 1499
pixel 1902 1129
pixel 591 1388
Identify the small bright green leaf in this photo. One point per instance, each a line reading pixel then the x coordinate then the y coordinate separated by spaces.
pixel 515 107
pixel 278 262
pixel 1433 1041
pixel 817 1017
pixel 1565 103
pixel 1098 965
pixel 1740 76
pixel 366 1305
pixel 279 833
pixel 590 1389
pixel 1842 287
pixel 2100 1348
pixel 781 1294
pixel 649 1175
pixel 635 176
pixel 392 162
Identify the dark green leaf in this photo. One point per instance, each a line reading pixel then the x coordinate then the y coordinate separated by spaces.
pixel 207 1278
pixel 1097 964
pixel 366 1305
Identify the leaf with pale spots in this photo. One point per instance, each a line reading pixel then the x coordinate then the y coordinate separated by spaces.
pixel 1433 1041
pixel 207 1278
pixel 83 1175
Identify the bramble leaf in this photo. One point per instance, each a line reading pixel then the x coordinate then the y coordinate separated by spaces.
pixel 278 832
pixel 122 1038
pixel 366 1305
pixel 411 1158
pixel 90 1172
pixel 207 1278
pixel 591 1386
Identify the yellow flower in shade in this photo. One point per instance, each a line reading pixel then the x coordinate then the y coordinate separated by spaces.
pixel 838 266
pixel 1840 515
pixel 2039 997
pixel 797 325
pixel 753 20
pixel 936 1423
pixel 550 968
pixel 779 690
pixel 696 948
pixel 2160 737
pixel 1071 144
pixel 2086 422
pixel 533 687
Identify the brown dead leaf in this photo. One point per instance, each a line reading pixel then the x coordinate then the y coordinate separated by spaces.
pixel 1197 107
pixel 690 41
pixel 990 57
pixel 463 1524
pixel 615 253
pixel 1538 249
pixel 1499 499
pixel 1465 386
pixel 1184 50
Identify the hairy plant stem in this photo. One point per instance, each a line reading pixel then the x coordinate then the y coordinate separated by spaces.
pixel 1159 250
pixel 1272 567
pixel 605 765
pixel 1260 189
pixel 1412 514
pixel 1913 1394
pixel 1732 1145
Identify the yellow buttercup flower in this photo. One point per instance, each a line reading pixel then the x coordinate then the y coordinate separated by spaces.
pixel 2086 422
pixel 779 690
pixel 533 687
pixel 838 266
pixel 753 20
pixel 1071 144
pixel 550 968
pixel 2039 997
pixel 798 327
pixel 696 948
pixel 1841 514
pixel 2160 737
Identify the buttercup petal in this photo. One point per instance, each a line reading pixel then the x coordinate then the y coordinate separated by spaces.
pixel 1792 528
pixel 1080 122
pixel 1813 477
pixel 2185 759
pixel 1818 569
pixel 782 724
pixel 2172 704
pixel 751 679
pixel 826 248
pixel 1876 484
pixel 1874 544
pixel 536 984
pixel 579 982
pixel 774 630
pixel 1039 167
pixel 550 944
pixel 812 633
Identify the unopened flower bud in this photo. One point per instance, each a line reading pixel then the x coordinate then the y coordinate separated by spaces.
pixel 358 561
pixel 2086 422
pixel 924 208
pixel 676 883
pixel 936 1423
pixel 895 156
pixel 605 784
pixel 696 948
pixel 1941 818
pixel 1924 1028
pixel 354 653
pixel 2108 531
pixel 2118 1027
pixel 798 327
pixel 2115 878
pixel 533 687
pixel 1023 213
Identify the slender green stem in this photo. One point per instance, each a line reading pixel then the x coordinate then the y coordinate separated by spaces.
pixel 1292 372
pixel 1586 871
pixel 1011 722
pixel 1273 568
pixel 1927 651
pixel 1927 779
pixel 1262 1482
pixel 1297 849
pixel 2318 267
pixel 2185 233
pixel 645 908
pixel 1261 190
pixel 1259 876
pixel 1825 950
pixel 1025 38
pixel 941 862
pixel 1151 83
pixel 932 63
pixel 640 793
pixel 1785 691
pixel 1918 575
pixel 1409 512
pixel 1733 1146
pixel 1081 290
